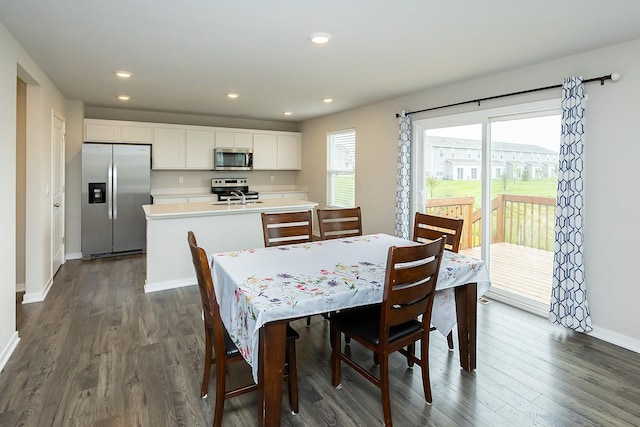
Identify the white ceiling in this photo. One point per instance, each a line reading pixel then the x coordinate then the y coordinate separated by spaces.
pixel 187 55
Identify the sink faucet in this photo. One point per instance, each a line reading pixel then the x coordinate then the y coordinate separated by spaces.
pixel 241 195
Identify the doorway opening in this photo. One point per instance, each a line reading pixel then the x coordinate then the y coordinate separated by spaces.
pixel 497 170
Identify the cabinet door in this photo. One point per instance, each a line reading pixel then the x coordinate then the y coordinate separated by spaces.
pixel 168 148
pixel 289 155
pixel 296 195
pixel 203 199
pixel 234 139
pixel 265 151
pixel 102 133
pixel 269 196
pixel 199 149
pixel 137 134
pixel 242 140
pixel 169 200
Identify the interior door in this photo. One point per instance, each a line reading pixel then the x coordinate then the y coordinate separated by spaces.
pixel 57 192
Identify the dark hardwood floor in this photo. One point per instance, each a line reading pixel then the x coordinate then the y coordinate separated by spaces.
pixel 101 352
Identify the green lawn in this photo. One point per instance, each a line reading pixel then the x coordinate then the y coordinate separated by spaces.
pixel 543 187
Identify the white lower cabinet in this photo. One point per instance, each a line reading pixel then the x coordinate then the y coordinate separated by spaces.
pixel 169 200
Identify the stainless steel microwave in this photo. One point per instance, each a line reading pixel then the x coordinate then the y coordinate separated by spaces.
pixel 233 159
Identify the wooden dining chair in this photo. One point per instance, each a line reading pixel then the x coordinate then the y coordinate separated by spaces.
pixel 337 223
pixel 394 325
pixel 429 227
pixel 219 347
pixel 285 228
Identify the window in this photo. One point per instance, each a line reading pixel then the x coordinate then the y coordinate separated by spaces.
pixel 341 169
pixel 441 152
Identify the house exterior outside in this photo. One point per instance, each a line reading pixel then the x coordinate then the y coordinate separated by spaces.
pixel 461 159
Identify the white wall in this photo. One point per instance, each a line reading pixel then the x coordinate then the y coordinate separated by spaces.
pixel 42 97
pixel 612 150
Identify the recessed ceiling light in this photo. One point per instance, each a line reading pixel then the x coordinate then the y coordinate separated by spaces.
pixel 327 100
pixel 287 113
pixel 124 97
pixel 232 95
pixel 124 74
pixel 320 38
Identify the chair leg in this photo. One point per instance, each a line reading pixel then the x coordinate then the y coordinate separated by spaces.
pixel 293 376
pixel 221 377
pixel 411 349
pixel 335 336
pixel 450 340
pixel 308 321
pixel 204 389
pixel 384 388
pixel 424 365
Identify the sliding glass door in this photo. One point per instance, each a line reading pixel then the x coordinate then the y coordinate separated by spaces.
pixel 497 170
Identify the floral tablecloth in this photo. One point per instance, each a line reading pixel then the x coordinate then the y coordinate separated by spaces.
pixel 256 286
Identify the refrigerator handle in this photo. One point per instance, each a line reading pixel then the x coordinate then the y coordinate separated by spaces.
pixel 115 191
pixel 110 189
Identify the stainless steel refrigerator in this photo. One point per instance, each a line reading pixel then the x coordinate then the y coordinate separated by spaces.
pixel 116 182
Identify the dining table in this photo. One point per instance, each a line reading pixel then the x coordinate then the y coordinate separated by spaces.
pixel 260 290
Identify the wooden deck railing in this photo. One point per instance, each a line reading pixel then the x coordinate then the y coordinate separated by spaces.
pixel 523 220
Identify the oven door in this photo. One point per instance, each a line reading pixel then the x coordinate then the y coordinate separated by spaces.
pixel 233 159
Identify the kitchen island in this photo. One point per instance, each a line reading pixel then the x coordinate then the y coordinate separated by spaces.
pixel 218 227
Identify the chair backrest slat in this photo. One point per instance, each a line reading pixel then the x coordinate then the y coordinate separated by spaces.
pixel 286 228
pixel 337 223
pixel 427 228
pixel 410 283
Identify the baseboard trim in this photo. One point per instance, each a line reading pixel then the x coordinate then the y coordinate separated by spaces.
pixel 31 297
pixel 20 287
pixel 616 339
pixel 600 333
pixel 9 349
pixel 171 284
pixel 74 256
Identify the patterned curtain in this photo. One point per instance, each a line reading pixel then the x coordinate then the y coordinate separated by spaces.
pixel 404 177
pixel 569 306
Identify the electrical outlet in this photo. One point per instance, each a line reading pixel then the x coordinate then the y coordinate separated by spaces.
pixel 180 179
pixel 273 178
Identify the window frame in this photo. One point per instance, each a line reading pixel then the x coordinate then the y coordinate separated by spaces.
pixel 335 138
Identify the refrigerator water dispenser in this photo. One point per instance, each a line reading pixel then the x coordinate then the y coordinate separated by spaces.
pixel 97 192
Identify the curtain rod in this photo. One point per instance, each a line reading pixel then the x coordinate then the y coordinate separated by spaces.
pixel 601 79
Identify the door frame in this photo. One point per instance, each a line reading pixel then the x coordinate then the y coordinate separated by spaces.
pixel 55 116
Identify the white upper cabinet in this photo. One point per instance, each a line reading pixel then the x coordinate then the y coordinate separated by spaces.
pixel 169 148
pixel 137 134
pixel 289 152
pixel 117 131
pixel 199 147
pixel 277 151
pixel 265 151
pixel 229 139
pixel 177 147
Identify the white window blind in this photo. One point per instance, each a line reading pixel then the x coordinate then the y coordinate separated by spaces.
pixel 341 169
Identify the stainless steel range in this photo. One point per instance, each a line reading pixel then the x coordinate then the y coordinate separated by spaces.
pixel 232 189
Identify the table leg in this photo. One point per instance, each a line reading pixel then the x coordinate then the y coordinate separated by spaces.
pixel 270 373
pixel 467 312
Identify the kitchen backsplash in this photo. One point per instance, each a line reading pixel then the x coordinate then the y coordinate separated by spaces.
pixel 202 179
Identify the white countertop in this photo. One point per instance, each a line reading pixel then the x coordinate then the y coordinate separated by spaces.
pixel 182 210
